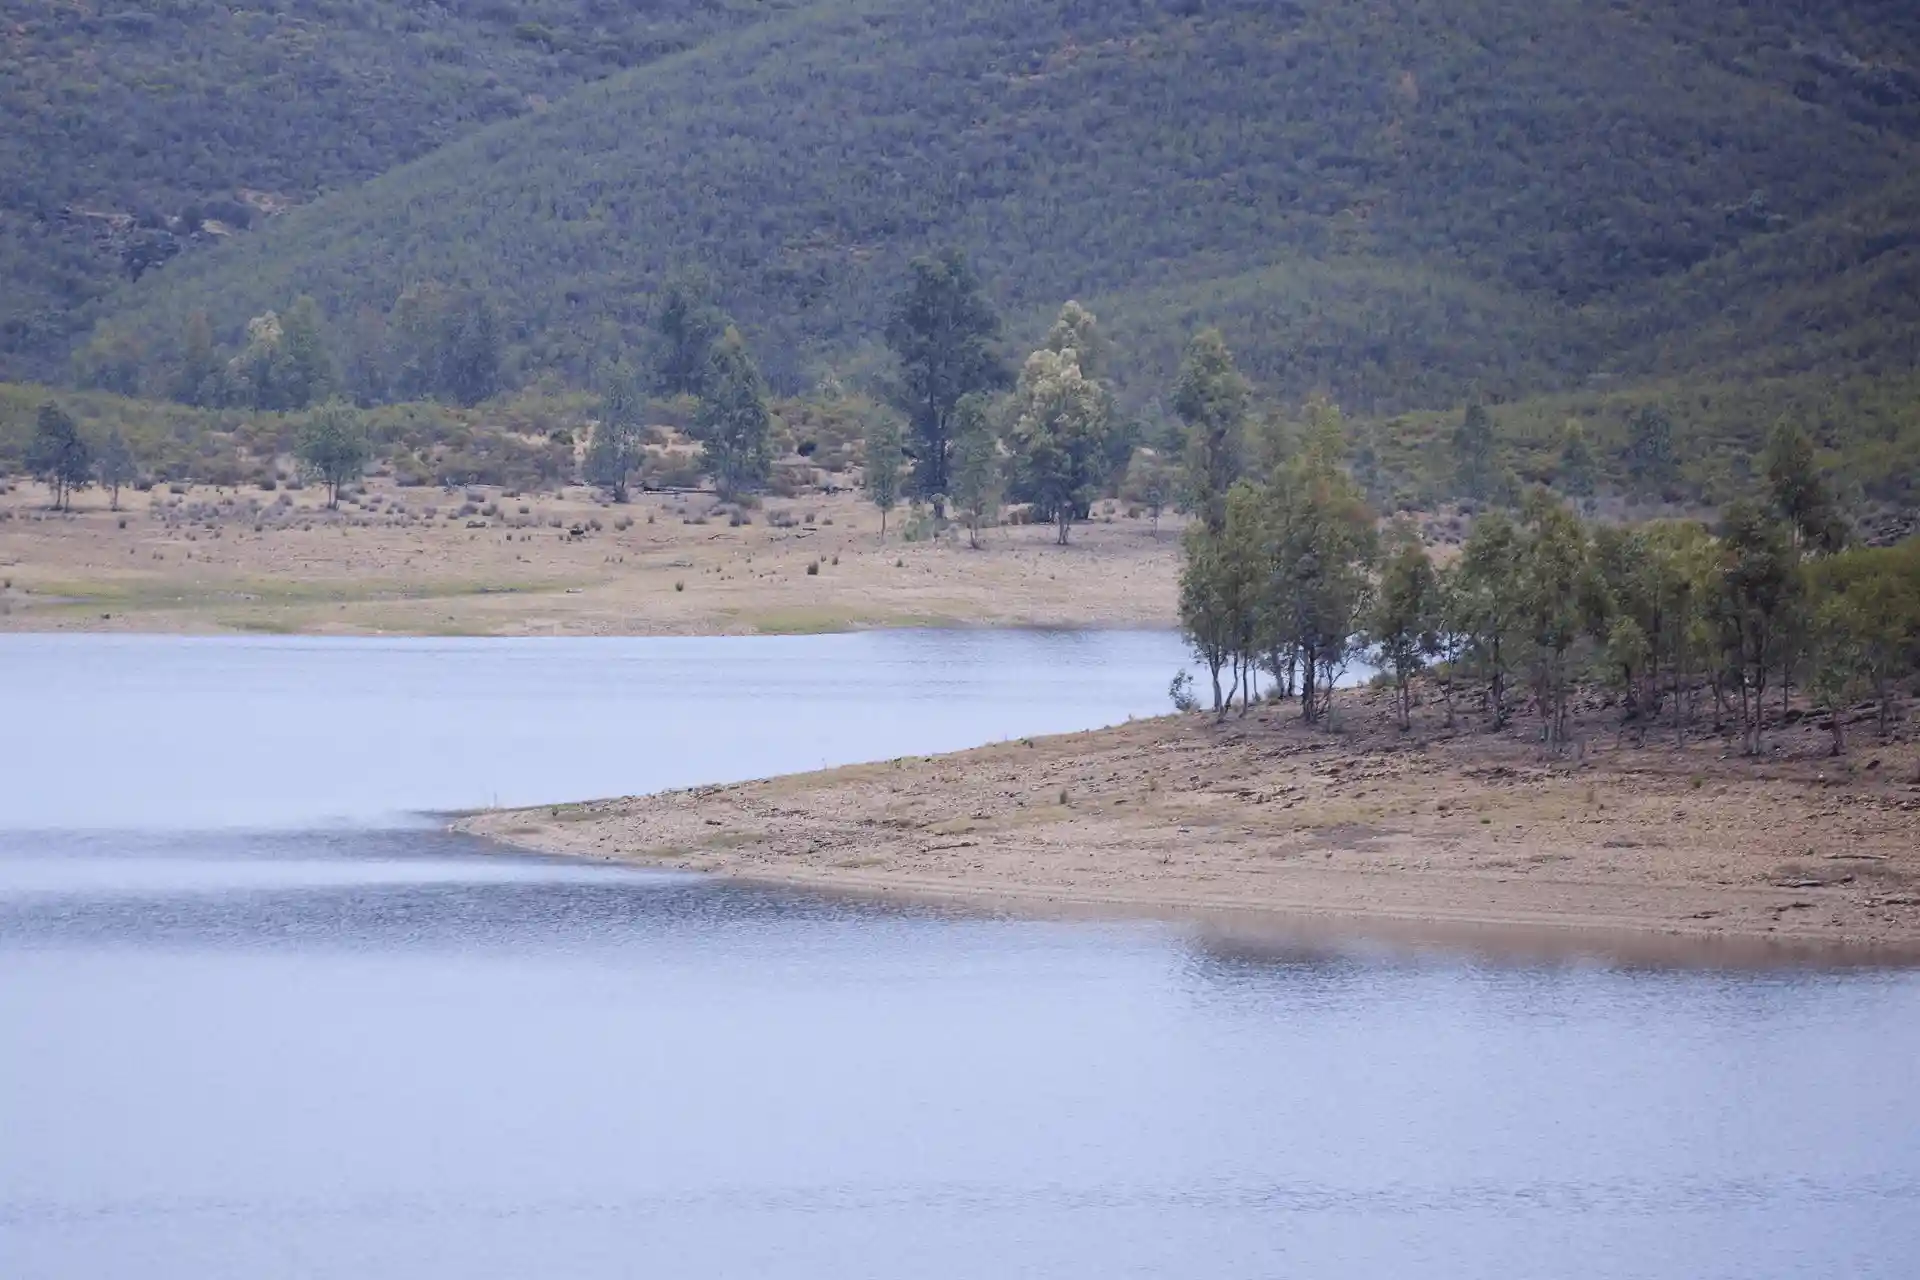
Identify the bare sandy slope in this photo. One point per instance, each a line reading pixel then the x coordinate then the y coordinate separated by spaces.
pixel 1428 832
pixel 477 562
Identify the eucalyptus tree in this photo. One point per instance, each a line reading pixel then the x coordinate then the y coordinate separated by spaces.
pixel 732 423
pixel 1060 419
pixel 1212 399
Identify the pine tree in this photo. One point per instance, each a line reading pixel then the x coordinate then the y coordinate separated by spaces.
pixel 686 325
pixel 1476 468
pixel 942 331
pixel 1650 461
pixel 1574 476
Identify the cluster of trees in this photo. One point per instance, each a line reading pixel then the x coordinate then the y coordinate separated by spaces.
pixel 60 456
pixel 1287 575
pixel 976 433
pixel 435 343
pixel 700 353
pixel 957 429
pixel 333 444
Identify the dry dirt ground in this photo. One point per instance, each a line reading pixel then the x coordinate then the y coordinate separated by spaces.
pixel 479 562
pixel 1430 833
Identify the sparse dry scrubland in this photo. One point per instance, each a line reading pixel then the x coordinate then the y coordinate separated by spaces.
pixel 1265 821
pixel 483 562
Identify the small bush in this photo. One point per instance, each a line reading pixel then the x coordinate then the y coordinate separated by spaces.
pixel 813 569
pixel 679 585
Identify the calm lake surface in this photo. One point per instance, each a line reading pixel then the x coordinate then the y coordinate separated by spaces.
pixel 257 1021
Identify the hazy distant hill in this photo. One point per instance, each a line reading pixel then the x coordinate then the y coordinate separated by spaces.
pixel 1398 201
pixel 119 116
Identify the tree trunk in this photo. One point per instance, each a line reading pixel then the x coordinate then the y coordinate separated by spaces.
pixel 1839 734
pixel 1681 693
pixel 883 524
pixel 1496 687
pixel 1213 668
pixel 1065 520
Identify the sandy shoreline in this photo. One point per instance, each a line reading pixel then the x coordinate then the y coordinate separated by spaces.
pixel 1265 828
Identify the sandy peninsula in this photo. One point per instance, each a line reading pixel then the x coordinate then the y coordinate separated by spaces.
pixel 479 561
pixel 1428 833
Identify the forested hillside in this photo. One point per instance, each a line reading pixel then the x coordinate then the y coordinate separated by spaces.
pixel 1400 203
pixel 132 130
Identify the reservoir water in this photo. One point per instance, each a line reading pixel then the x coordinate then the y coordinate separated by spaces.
pixel 258 1017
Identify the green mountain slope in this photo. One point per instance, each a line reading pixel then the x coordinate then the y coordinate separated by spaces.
pixel 118 118
pixel 1398 202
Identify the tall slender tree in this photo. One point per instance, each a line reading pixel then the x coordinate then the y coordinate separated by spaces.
pixel 979 472
pixel 1212 399
pixel 733 424
pixel 1759 577
pixel 880 470
pixel 686 325
pixel 1800 493
pixel 303 372
pixel 943 331
pixel 1574 473
pixel 1650 460
pixel 615 449
pixel 115 465
pixel 1405 624
pixel 1475 462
